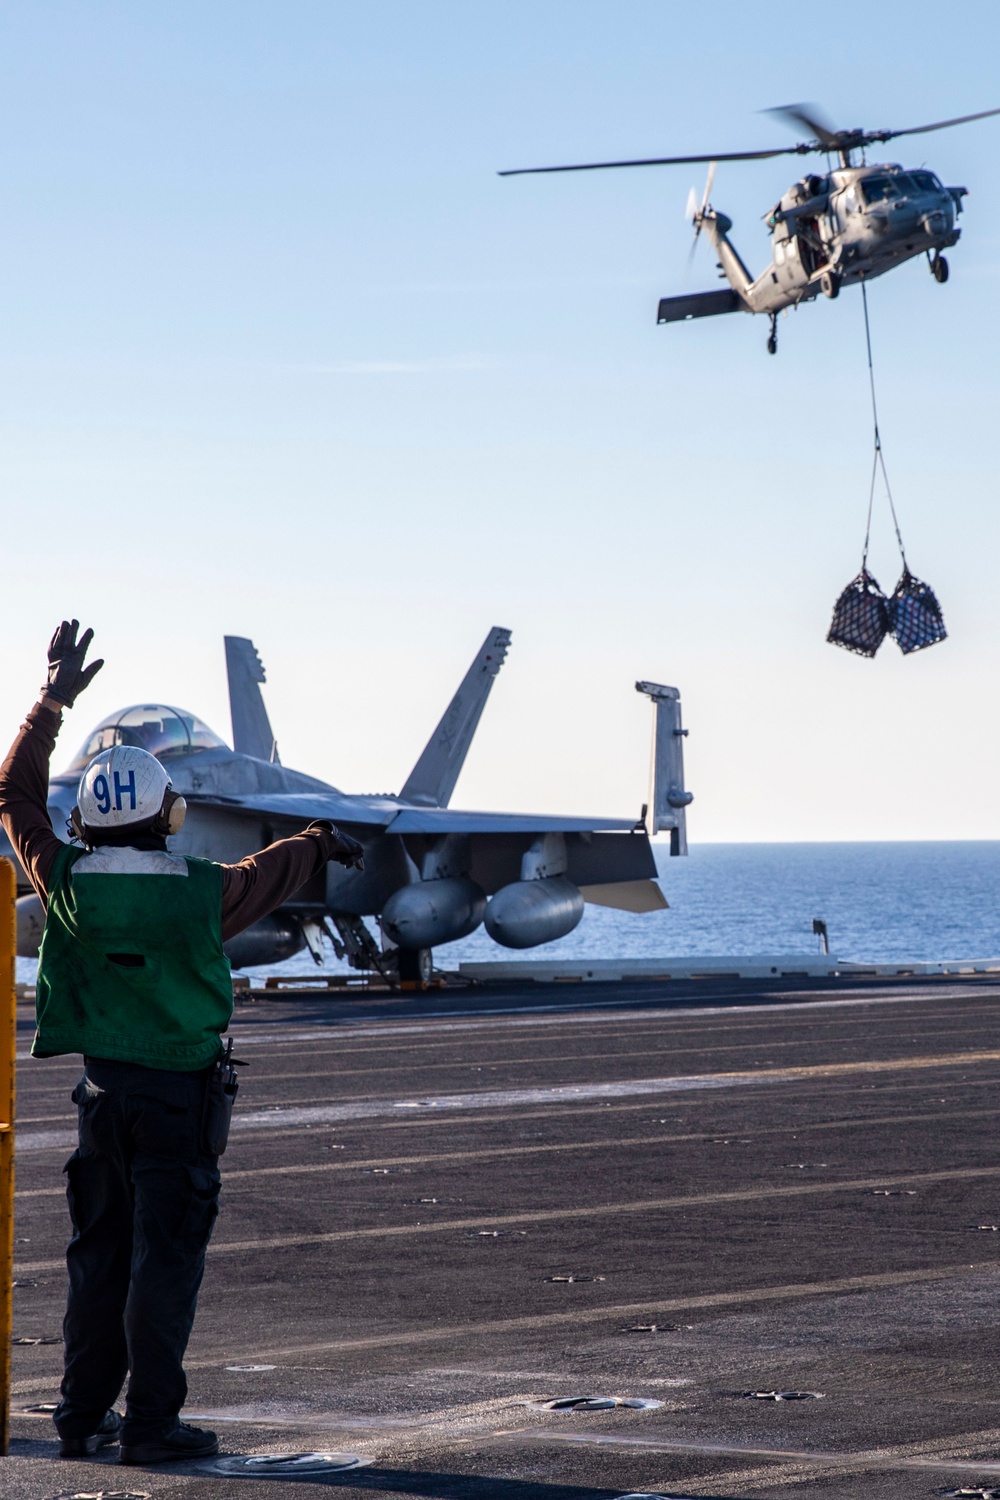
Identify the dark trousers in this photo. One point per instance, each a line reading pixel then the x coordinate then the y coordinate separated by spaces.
pixel 143 1196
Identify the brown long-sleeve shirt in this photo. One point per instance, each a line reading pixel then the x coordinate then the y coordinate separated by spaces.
pixel 250 889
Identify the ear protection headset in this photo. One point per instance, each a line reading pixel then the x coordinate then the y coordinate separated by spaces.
pixel 173 811
pixel 169 819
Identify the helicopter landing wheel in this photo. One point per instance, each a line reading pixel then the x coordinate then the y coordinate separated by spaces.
pixel 772 338
pixel 939 269
pixel 829 284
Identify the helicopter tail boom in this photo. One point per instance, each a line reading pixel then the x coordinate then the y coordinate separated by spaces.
pixel 707 304
pixel 698 305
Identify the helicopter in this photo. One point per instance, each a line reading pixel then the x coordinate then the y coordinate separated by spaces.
pixel 851 223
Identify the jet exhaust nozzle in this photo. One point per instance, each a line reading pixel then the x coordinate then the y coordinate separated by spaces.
pixel 530 912
pixel 430 912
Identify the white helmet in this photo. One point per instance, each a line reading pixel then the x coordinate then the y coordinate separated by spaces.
pixel 121 786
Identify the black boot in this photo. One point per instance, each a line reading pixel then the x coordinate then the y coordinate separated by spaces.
pixel 85 1447
pixel 183 1443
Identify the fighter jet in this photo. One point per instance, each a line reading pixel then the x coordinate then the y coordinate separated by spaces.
pixel 432 874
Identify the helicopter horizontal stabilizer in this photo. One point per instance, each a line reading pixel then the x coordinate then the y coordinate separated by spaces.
pixel 699 305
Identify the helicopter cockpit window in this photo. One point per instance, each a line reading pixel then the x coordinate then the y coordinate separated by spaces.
pixel 878 189
pixel 926 182
pixel 155 727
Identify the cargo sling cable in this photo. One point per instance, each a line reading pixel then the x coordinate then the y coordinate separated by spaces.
pixel 863 616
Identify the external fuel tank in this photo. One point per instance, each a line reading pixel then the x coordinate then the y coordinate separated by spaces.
pixel 530 912
pixel 429 912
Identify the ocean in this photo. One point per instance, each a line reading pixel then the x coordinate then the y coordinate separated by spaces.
pixel 881 902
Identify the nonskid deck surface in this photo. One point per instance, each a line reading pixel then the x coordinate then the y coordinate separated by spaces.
pixel 441 1211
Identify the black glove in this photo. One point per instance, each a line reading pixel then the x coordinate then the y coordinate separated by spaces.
pixel 348 852
pixel 67 675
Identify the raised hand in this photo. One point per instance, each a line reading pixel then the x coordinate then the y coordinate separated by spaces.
pixel 67 675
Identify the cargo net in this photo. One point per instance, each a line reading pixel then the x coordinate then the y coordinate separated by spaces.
pixel 860 616
pixel 863 616
pixel 915 617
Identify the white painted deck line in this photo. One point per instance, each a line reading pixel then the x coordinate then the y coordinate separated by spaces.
pixel 367 1109
pixel 282 1117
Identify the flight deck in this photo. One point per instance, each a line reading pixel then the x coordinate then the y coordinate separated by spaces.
pixel 730 1237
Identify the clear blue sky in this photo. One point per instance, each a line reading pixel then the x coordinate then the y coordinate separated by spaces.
pixel 281 355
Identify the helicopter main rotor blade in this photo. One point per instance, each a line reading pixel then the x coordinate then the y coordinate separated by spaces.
pixel 809 116
pixel 662 161
pixel 888 135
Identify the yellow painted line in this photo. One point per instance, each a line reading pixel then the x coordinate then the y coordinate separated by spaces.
pixel 536 1216
pixel 751 1296
pixel 663 1045
pixel 483 1107
pixel 797 1005
pixel 791 1465
pixel 603 1108
pixel 533 1217
pixel 606 1143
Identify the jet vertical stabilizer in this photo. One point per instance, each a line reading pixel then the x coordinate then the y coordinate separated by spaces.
pixel 433 778
pixel 251 727
pixel 668 801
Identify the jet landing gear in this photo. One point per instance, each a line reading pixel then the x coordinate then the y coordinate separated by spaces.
pixel 416 966
pixel 772 338
pixel 939 268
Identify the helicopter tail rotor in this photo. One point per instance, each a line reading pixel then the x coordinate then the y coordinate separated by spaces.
pixel 695 211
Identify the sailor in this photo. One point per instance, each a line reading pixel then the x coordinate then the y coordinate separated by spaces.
pixel 132 975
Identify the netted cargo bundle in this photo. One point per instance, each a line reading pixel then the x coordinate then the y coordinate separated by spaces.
pixel 915 617
pixel 860 616
pixel 863 616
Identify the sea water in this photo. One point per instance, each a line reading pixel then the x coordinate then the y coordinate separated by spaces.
pixel 880 902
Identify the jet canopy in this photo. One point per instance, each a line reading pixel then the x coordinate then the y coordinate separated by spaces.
pixel 155 727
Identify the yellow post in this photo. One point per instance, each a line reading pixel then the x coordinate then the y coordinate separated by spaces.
pixel 8 1036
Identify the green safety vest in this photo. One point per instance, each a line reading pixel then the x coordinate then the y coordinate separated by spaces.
pixel 164 1010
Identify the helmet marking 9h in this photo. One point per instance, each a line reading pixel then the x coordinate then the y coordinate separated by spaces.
pixel 127 787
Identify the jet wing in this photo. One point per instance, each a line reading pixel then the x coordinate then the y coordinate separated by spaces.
pixel 303 807
pixel 599 851
pixel 432 820
pixel 386 813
